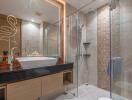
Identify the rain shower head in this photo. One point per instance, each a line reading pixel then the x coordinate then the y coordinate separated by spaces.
pixel 112 4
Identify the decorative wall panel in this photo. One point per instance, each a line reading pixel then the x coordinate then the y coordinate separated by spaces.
pixel 10 25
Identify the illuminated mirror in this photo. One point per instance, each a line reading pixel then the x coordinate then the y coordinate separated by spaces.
pixel 29 28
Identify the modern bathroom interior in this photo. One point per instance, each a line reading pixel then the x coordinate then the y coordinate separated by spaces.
pixel 65 50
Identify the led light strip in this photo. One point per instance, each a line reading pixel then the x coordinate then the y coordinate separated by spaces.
pixel 64 16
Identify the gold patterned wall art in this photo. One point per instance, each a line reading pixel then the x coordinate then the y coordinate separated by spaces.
pixel 9 33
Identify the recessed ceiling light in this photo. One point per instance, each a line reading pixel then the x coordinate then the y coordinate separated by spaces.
pixel 32 20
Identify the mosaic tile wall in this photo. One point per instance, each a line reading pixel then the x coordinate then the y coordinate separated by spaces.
pixel 103 43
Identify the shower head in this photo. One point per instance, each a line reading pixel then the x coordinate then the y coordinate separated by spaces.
pixel 112 4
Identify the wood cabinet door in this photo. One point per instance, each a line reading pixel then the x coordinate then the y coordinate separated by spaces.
pixel 52 84
pixel 24 90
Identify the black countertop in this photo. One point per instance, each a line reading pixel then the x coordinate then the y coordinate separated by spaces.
pixel 15 75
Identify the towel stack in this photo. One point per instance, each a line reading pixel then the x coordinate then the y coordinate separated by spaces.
pixel 115 68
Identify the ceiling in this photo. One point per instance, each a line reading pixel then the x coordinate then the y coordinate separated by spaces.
pixel 40 10
pixel 35 10
pixel 87 5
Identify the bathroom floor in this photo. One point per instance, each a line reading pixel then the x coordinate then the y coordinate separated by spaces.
pixel 89 92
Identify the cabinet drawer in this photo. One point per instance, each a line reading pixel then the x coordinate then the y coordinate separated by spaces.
pixel 25 90
pixel 52 83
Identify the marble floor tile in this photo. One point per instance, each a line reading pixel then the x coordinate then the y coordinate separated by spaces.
pixel 89 92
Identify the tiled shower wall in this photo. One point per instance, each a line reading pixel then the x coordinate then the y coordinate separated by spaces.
pixel 94 28
pixel 91 36
pixel 87 33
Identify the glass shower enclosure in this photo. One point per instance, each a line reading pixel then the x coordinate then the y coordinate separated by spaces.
pixel 121 55
pixel 95 38
pixel 99 44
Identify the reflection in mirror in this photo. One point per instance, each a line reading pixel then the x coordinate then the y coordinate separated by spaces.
pixel 29 28
pixel 51 39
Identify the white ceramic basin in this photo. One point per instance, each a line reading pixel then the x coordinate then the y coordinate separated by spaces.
pixel 34 62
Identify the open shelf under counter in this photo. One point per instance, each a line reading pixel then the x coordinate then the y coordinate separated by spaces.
pixel 2 92
pixel 68 77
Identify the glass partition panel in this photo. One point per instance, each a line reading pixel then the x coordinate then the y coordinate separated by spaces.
pixel 121 39
pixel 72 49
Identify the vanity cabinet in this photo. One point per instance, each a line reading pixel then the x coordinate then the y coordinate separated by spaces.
pixel 52 85
pixel 36 89
pixel 24 90
pixel 2 93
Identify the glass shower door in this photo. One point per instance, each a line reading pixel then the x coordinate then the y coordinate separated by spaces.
pixel 72 50
pixel 121 50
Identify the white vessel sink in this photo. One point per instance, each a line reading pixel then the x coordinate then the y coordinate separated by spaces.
pixel 35 62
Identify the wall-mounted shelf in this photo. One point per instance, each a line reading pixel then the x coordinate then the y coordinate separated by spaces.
pixel 86 55
pixel 86 43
